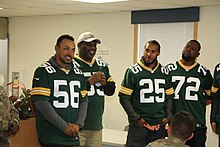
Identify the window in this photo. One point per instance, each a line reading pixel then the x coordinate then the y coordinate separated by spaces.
pixel 171 36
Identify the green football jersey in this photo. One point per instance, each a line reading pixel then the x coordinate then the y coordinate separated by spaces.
pixel 64 90
pixel 95 94
pixel 216 92
pixel 147 91
pixel 191 86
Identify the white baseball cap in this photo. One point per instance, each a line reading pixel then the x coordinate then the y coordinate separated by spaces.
pixel 87 37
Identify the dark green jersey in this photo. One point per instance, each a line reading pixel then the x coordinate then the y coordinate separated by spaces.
pixel 147 91
pixel 96 94
pixel 216 92
pixel 192 86
pixel 216 81
pixel 64 90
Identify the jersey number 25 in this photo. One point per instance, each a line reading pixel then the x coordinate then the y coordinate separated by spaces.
pixel 152 88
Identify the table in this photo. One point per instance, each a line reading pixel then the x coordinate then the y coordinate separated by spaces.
pixel 113 138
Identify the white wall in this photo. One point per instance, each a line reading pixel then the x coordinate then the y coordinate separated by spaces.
pixel 208 35
pixel 32 41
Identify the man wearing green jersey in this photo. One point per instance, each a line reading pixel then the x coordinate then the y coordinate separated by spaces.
pixel 101 84
pixel 192 83
pixel 59 92
pixel 146 96
pixel 215 111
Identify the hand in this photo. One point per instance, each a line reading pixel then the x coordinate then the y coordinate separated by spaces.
pixel 75 127
pixel 15 128
pixel 141 122
pixel 11 131
pixel 164 121
pixel 98 77
pixel 152 127
pixel 72 130
pixel 213 125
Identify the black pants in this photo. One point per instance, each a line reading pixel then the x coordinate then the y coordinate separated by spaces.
pixel 140 136
pixel 198 139
pixel 55 145
pixel 218 140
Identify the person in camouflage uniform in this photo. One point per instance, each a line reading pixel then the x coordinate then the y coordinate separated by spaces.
pixel 180 130
pixel 9 115
pixel 3 141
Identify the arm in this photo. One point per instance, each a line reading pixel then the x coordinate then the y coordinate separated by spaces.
pixel 168 110
pixel 214 111
pixel 126 104
pixel 50 114
pixel 215 99
pixel 134 117
pixel 14 120
pixel 209 81
pixel 170 94
pixel 125 94
pixel 9 122
pixel 109 88
pixel 82 113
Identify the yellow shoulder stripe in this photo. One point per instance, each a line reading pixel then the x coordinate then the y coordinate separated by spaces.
pixel 125 90
pixel 40 91
pixel 170 91
pixel 214 89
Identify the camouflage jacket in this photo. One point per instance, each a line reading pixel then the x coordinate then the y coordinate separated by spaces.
pixel 170 142
pixel 7 111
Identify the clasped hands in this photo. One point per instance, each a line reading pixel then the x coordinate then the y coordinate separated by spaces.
pixel 72 130
pixel 143 123
pixel 12 131
pixel 98 77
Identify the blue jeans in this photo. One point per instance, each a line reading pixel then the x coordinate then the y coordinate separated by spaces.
pixel 139 136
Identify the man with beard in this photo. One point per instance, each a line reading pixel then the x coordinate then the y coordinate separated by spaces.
pixel 101 84
pixel 146 95
pixel 192 83
pixel 59 92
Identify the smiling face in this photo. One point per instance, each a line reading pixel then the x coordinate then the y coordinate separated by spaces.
pixel 87 50
pixel 65 52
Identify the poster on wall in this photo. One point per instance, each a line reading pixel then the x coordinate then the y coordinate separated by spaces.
pixel 15 78
pixel 103 53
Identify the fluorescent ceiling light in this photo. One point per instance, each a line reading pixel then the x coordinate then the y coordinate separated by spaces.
pixel 99 1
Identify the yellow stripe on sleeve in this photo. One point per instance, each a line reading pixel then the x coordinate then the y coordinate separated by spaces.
pixel 84 93
pixel 125 90
pixel 214 89
pixel 110 79
pixel 40 91
pixel 208 92
pixel 170 91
